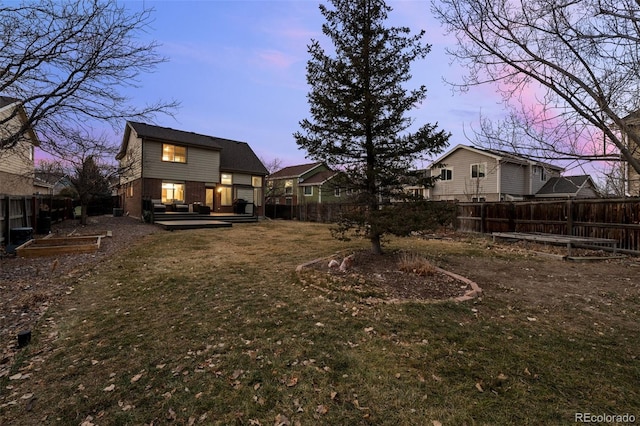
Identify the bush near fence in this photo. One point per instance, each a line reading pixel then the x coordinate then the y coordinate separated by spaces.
pixel 618 219
pixel 441 213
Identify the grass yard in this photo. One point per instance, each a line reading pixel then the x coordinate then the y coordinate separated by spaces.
pixel 215 327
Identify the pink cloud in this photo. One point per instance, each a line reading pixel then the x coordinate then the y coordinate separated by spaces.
pixel 274 59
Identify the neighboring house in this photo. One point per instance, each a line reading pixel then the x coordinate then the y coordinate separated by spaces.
pixel 478 174
pixel 419 190
pixel 56 182
pixel 16 164
pixel 569 187
pixel 185 168
pixel 304 184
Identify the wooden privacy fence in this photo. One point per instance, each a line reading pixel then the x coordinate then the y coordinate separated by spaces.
pixel 618 219
pixel 30 211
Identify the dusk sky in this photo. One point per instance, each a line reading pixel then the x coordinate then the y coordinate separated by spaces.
pixel 238 70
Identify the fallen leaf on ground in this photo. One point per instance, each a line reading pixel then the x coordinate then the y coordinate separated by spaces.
pixel 322 409
pixel 282 420
pixel 109 388
pixel 292 382
pixel 479 387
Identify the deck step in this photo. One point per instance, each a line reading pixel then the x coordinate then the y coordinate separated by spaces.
pixel 195 217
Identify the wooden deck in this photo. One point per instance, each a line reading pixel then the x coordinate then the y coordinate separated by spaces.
pixel 185 220
pixel 172 225
pixel 570 241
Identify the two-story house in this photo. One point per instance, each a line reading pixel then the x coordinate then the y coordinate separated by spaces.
pixel 16 163
pixel 305 184
pixel 177 167
pixel 477 174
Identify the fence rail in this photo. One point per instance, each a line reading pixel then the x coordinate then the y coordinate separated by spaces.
pixel 618 219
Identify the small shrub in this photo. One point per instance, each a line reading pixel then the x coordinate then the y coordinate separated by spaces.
pixel 414 263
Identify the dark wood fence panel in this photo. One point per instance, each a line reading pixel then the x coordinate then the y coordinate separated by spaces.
pixel 606 218
pixel 28 211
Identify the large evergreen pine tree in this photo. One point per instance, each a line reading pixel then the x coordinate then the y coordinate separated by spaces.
pixel 358 104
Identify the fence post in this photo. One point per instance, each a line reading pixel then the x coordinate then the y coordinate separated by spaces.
pixel 6 226
pixel 483 217
pixel 512 217
pixel 569 217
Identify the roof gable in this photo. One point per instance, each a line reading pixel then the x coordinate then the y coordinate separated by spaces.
pixel 171 135
pixel 9 102
pixel 294 171
pixel 319 178
pixel 566 185
pixel 497 155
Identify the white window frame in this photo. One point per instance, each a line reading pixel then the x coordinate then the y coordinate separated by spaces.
pixel 443 174
pixel 307 188
pixel 480 172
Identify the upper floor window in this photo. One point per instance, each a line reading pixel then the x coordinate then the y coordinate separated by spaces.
pixel 288 186
pixel 308 190
pixel 336 192
pixel 540 171
pixel 446 174
pixel 478 170
pixel 226 179
pixel 256 181
pixel 174 153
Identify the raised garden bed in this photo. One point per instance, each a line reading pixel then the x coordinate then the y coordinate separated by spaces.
pixel 59 245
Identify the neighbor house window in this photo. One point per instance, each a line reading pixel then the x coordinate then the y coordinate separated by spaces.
pixel 446 174
pixel 336 192
pixel 543 174
pixel 129 190
pixel 288 187
pixel 226 179
pixel 174 153
pixel 478 170
pixel 256 181
pixel 172 192
pixel 308 190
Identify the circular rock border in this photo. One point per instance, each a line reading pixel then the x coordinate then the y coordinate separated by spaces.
pixel 475 291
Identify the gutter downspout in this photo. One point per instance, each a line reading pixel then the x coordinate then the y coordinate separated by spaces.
pixel 499 175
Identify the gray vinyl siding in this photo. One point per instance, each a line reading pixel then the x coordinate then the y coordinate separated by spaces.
pixel 131 162
pixel 241 179
pixel 17 160
pixel 514 179
pixel 463 186
pixel 202 165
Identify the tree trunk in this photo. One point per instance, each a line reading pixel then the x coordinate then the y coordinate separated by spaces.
pixel 376 245
pixel 83 214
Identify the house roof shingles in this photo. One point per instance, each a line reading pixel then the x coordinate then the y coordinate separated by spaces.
pixel 319 178
pixel 7 100
pixel 563 185
pixel 235 156
pixel 294 171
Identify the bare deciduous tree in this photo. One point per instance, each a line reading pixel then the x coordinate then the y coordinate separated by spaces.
pixel 582 55
pixel 70 62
